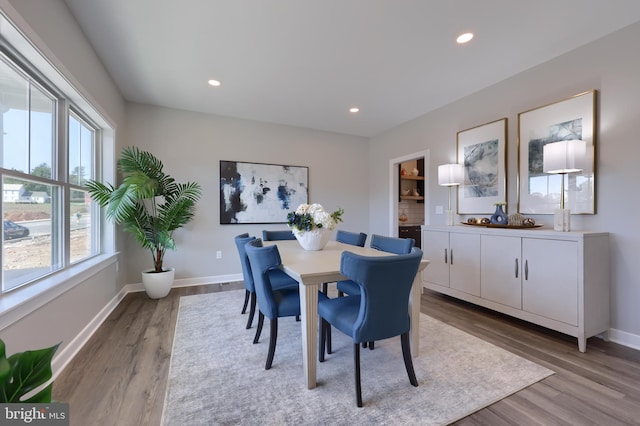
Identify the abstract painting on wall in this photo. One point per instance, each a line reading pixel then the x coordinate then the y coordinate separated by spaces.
pixel 482 152
pixel 260 193
pixel 572 118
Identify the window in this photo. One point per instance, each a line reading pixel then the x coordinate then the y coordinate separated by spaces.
pixel 48 150
pixel 81 158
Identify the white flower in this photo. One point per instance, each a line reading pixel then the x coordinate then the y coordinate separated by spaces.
pixel 303 209
pixel 324 219
pixel 308 217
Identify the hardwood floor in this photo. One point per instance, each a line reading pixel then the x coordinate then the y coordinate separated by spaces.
pixel 119 377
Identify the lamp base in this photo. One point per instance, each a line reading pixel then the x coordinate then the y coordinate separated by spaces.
pixel 562 220
pixel 450 217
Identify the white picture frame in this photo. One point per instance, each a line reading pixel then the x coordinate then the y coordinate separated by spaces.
pixel 482 150
pixel 571 118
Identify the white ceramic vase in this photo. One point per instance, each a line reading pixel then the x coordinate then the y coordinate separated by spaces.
pixel 158 284
pixel 313 240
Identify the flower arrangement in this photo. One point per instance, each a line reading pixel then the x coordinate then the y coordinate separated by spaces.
pixel 309 217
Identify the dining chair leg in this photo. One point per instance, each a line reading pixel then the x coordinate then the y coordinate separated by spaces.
pixel 325 288
pixel 356 363
pixel 273 337
pixel 259 327
pixel 406 354
pixel 371 345
pixel 252 311
pixel 246 301
pixel 340 293
pixel 329 350
pixel 322 340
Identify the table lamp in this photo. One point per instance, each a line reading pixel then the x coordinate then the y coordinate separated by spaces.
pixel 450 175
pixel 562 158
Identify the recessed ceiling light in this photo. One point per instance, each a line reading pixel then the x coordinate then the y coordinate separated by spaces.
pixel 354 109
pixel 464 38
pixel 214 83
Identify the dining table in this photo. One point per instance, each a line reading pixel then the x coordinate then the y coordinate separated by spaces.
pixel 311 268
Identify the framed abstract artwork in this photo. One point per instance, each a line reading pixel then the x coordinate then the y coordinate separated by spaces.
pixel 260 193
pixel 482 150
pixel 568 119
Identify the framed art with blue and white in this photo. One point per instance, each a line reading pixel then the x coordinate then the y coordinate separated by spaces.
pixel 573 118
pixel 260 193
pixel 482 150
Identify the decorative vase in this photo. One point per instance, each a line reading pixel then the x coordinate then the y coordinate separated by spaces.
pixel 499 217
pixel 315 239
pixel 158 284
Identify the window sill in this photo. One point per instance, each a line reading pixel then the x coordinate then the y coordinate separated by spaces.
pixel 20 302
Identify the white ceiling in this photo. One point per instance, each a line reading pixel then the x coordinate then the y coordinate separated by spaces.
pixel 305 62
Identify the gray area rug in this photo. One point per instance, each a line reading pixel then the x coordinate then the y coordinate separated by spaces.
pixel 217 375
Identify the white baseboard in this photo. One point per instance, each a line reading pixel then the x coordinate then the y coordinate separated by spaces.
pixel 189 282
pixel 623 338
pixel 64 357
pixel 217 279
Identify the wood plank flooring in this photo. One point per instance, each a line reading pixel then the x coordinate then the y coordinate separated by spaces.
pixel 120 376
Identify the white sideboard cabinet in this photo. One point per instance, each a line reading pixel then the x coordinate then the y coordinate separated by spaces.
pixel 559 280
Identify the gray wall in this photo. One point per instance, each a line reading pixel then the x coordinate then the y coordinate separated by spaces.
pixel 611 65
pixel 191 145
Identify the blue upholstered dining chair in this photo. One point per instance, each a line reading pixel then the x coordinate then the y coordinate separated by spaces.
pixel 277 235
pixel 273 302
pixel 382 243
pixel 392 244
pixel 352 238
pixel 382 310
pixel 240 241
pixel 278 278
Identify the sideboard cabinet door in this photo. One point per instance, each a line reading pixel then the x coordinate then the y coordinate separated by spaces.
pixel 550 279
pixel 501 270
pixel 464 262
pixel 435 246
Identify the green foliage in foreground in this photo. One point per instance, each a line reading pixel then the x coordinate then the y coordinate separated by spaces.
pixel 24 372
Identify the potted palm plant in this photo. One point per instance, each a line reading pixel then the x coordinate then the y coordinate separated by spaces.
pixel 150 205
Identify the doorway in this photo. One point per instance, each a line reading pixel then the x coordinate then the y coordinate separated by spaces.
pixel 396 200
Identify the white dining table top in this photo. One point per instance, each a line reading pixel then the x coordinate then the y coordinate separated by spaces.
pixel 316 267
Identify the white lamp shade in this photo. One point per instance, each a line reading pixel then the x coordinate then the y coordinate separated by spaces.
pixel 564 156
pixel 450 174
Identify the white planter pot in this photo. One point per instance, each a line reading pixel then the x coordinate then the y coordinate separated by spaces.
pixel 313 240
pixel 158 284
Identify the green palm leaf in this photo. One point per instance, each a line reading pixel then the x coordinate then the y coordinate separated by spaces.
pixel 148 203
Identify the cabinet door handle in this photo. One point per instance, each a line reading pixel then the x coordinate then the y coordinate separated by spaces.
pixel 526 269
pixel 516 267
pixel 451 256
pixel 446 260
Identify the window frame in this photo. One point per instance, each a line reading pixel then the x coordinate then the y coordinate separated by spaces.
pixel 94 209
pixel 64 108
